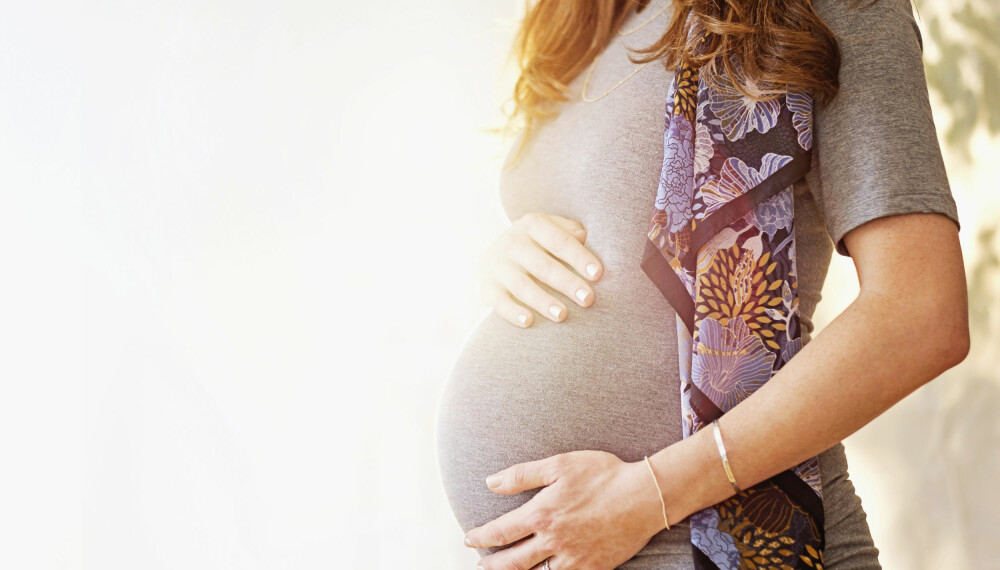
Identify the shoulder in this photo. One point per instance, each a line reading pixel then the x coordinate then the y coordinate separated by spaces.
pixel 875 147
pixel 842 15
pixel 866 23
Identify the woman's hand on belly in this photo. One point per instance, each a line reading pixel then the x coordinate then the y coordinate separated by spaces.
pixel 533 246
pixel 594 513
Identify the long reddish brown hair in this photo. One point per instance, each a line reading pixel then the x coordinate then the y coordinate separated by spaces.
pixel 777 44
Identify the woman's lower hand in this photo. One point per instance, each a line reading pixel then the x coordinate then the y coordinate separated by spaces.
pixel 594 513
pixel 533 247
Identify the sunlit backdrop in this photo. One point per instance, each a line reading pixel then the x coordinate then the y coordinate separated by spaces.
pixel 239 240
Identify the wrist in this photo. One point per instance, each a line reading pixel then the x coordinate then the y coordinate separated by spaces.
pixel 650 510
pixel 691 475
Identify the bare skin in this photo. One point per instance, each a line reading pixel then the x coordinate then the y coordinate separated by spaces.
pixel 533 250
pixel 908 324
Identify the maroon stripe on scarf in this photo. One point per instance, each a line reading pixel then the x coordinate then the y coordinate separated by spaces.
pixel 739 206
pixel 803 495
pixel 659 271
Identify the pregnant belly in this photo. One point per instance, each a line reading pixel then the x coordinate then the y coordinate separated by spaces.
pixel 605 379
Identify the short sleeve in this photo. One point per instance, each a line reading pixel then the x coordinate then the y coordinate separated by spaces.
pixel 875 149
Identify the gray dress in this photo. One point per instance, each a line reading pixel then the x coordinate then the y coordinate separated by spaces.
pixel 607 377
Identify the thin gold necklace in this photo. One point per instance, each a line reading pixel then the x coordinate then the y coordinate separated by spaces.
pixel 586 81
pixel 643 25
pixel 593 65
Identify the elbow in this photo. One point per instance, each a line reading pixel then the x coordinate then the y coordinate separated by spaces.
pixel 957 349
pixel 937 337
pixel 961 338
pixel 952 340
pixel 931 331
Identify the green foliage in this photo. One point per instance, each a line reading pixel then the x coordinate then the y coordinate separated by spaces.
pixel 967 73
pixel 984 281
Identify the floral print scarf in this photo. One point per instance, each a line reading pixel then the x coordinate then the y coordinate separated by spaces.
pixel 721 249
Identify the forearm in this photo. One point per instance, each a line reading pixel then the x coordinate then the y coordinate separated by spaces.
pixel 869 358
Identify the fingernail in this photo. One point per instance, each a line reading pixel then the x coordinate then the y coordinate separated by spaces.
pixel 555 311
pixel 492 481
pixel 480 567
pixel 468 542
pixel 522 318
pixel 581 294
pixel 591 269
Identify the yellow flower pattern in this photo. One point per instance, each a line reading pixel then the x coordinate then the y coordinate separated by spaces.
pixel 738 286
pixel 686 92
pixel 759 520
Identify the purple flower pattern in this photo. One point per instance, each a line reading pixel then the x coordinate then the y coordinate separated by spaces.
pixel 736 178
pixel 729 362
pixel 740 114
pixel 773 214
pixel 717 545
pixel 676 188
pixel 801 107
pixel 703 149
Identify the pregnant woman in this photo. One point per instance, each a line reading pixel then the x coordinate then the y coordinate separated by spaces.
pixel 593 419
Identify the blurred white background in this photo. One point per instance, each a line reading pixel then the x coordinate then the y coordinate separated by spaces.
pixel 237 243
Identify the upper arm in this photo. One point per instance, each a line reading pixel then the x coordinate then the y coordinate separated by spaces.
pixel 911 266
pixel 879 179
